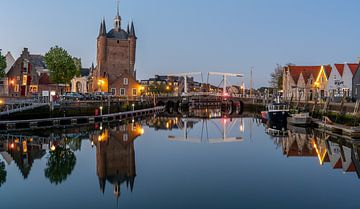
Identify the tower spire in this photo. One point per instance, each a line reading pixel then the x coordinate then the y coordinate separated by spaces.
pixel 132 30
pixel 117 19
pixel 117 7
pixel 102 31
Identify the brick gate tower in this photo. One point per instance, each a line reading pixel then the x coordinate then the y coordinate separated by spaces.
pixel 116 54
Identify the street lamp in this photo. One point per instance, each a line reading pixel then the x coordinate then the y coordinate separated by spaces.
pixel 133 107
pixel 101 110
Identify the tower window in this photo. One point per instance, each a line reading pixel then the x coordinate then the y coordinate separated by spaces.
pixel 122 91
pixel 118 41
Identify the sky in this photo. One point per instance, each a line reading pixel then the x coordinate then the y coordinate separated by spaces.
pixel 176 36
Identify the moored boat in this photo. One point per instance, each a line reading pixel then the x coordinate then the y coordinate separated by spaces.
pixel 278 113
pixel 299 119
pixel 264 115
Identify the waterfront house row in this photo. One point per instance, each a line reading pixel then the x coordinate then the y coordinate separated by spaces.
pixel 307 83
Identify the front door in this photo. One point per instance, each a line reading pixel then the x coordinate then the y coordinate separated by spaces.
pixel 23 91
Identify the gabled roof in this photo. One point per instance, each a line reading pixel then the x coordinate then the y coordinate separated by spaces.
pixel 340 68
pixel 37 61
pixel 307 71
pixel 9 62
pixel 353 67
pixel 328 70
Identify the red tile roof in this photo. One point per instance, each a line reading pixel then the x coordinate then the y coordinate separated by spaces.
pixel 307 71
pixel 353 67
pixel 340 68
pixel 328 70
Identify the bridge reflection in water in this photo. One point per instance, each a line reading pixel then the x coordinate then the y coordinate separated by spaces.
pixel 113 146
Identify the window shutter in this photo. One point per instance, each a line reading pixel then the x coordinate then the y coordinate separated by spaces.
pixel 29 80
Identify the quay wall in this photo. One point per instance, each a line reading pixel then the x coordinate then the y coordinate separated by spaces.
pixel 71 109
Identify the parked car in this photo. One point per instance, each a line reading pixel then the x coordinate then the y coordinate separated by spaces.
pixel 102 95
pixel 72 96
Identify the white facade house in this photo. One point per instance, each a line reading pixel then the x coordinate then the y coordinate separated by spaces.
pixel 10 60
pixel 340 80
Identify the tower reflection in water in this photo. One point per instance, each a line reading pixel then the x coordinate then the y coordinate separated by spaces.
pixel 115 156
pixel 340 153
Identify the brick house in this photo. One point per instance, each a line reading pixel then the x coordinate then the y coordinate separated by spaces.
pixel 115 69
pixel 29 76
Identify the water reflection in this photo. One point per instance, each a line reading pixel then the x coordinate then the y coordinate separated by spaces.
pixel 115 156
pixel 340 153
pixel 60 164
pixel 224 128
pixel 2 173
pixel 23 151
pixel 63 154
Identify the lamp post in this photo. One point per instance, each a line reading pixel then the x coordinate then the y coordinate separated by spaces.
pixel 133 107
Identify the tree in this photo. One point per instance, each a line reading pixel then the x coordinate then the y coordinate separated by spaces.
pixel 2 65
pixel 60 165
pixel 276 80
pixel 61 65
pixel 78 66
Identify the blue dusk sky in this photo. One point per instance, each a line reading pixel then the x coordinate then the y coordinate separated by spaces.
pixel 193 35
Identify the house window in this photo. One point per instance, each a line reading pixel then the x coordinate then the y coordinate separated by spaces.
pixel 24 81
pixel 122 92
pixel 134 92
pixel 18 78
pixel 113 91
pixel 125 137
pixel 16 88
pixel 25 67
pixel 33 89
pixel 126 81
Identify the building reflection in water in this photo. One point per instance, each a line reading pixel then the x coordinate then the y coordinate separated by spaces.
pixel 23 151
pixel 115 156
pixel 339 153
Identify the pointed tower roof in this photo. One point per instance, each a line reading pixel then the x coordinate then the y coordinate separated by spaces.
pixel 104 27
pixel 132 30
pixel 101 29
pixel 128 28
